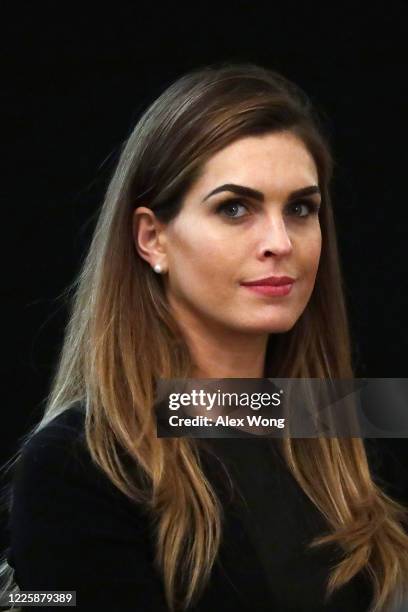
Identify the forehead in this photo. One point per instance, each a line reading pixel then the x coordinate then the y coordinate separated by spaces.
pixel 272 163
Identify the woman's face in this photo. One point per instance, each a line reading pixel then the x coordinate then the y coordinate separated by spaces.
pixel 242 221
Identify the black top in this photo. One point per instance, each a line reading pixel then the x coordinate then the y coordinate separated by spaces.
pixel 72 529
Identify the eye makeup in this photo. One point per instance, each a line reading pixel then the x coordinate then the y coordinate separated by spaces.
pixel 303 204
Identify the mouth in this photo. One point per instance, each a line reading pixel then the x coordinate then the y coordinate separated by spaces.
pixel 271 286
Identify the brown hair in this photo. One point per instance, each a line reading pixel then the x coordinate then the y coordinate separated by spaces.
pixel 121 337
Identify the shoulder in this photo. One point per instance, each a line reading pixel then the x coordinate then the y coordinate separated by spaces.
pixel 56 453
pixel 57 488
pixel 69 524
pixel 55 465
pixel 58 436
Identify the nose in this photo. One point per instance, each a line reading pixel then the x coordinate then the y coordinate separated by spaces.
pixel 275 240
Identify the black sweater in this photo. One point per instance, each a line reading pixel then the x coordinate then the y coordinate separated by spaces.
pixel 72 529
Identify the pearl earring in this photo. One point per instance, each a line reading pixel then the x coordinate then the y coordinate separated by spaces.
pixel 157 268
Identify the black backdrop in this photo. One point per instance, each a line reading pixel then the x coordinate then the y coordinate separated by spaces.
pixel 74 82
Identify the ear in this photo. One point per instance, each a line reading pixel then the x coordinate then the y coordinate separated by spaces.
pixel 148 236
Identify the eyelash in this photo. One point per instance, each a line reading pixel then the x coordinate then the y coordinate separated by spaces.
pixel 312 207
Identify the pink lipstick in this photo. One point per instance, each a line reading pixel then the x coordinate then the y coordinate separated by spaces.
pixel 271 286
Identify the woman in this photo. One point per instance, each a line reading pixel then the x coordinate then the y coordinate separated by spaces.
pixel 223 183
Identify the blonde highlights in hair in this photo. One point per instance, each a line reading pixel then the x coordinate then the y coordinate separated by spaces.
pixel 121 336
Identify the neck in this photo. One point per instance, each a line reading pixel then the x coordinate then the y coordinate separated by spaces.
pixel 218 352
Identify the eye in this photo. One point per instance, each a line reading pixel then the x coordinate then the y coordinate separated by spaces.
pixel 303 208
pixel 234 209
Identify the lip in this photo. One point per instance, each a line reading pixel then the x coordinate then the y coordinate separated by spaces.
pixel 271 290
pixel 271 286
pixel 274 281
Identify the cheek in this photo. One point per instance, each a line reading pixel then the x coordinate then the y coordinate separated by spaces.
pixel 310 253
pixel 199 258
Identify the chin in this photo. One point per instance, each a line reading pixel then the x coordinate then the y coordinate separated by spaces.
pixel 271 327
pixel 279 329
pixel 282 322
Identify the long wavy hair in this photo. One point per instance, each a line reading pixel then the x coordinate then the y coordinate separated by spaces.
pixel 121 337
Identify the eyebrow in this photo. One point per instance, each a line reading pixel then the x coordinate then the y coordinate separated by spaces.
pixel 258 195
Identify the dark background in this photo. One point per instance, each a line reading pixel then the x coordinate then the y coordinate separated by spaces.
pixel 75 81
